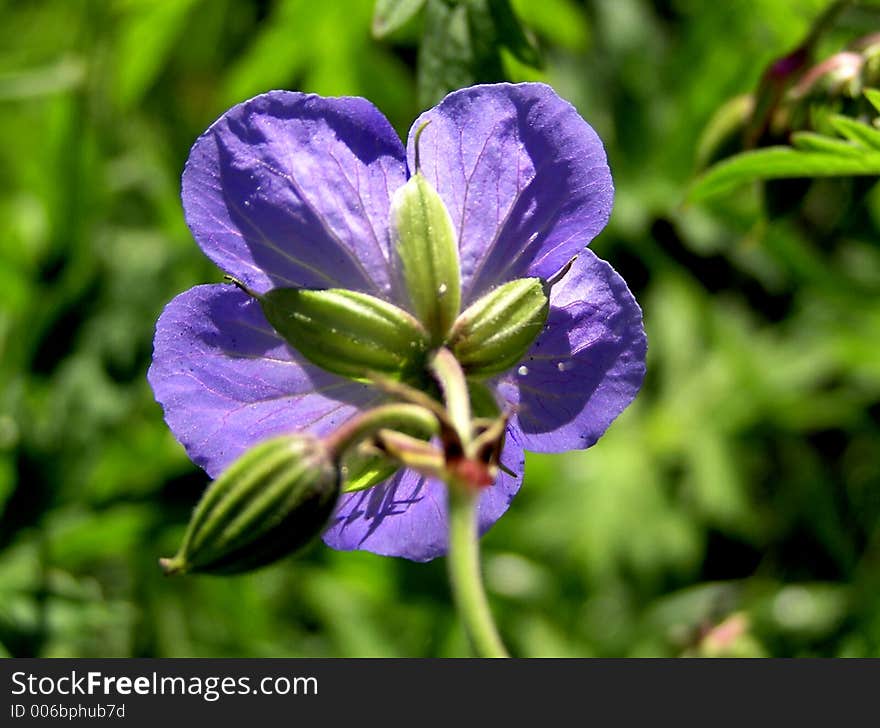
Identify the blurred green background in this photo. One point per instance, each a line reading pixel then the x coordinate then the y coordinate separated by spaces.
pixel 733 509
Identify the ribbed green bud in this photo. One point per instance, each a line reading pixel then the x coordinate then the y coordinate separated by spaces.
pixel 269 503
pixel 428 251
pixel 495 332
pixel 348 333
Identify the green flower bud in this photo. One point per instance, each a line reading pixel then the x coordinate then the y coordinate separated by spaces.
pixel 428 251
pixel 269 503
pixel 348 333
pixel 495 332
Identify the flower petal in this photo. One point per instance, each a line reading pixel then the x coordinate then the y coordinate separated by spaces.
pixel 524 177
pixel 226 380
pixel 586 366
pixel 406 516
pixel 294 189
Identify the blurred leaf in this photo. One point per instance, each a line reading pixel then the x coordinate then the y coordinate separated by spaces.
pixel 65 74
pixel 809 141
pixel 810 610
pixel 271 58
pixel 461 45
pixel 146 39
pixel 448 58
pixel 391 15
pixel 511 34
pixel 781 163
pixel 330 56
pixel 562 22
pixel 813 155
pixel 726 128
pixel 87 538
pixel 588 515
pixel 860 134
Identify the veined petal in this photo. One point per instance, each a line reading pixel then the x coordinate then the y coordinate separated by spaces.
pixel 289 189
pixel 524 177
pixel 406 516
pixel 586 366
pixel 227 381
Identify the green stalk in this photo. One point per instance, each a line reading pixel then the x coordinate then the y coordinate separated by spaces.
pixel 448 372
pixel 464 573
pixel 398 416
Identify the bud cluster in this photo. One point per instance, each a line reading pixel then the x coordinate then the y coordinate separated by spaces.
pixel 796 94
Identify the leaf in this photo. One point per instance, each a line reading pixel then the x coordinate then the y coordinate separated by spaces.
pixel 811 142
pixel 781 163
pixel 391 15
pixel 873 95
pixel 447 59
pixel 146 41
pixel 511 34
pixel 461 45
pixel 812 155
pixel 856 131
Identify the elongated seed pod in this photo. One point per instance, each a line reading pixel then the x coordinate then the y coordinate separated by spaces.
pixel 427 248
pixel 496 331
pixel 347 332
pixel 269 503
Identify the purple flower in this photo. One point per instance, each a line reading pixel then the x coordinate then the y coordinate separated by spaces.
pixel 289 189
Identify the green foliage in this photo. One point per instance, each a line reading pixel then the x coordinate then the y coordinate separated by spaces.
pixel 462 41
pixel 390 16
pixel 811 155
pixel 732 510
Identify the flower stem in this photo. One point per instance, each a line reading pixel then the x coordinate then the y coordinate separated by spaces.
pixel 464 573
pixel 450 376
pixel 386 416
